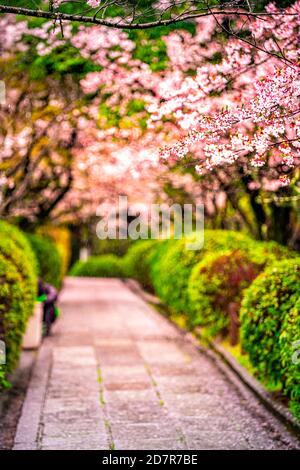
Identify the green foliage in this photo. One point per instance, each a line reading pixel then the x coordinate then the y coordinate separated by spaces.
pixel 290 348
pixel 150 50
pixel 172 265
pixel 270 320
pixel 61 237
pixel 63 60
pixel 18 289
pixel 117 247
pixel 16 249
pixel 13 315
pixel 137 262
pixel 218 281
pixel 216 285
pixel 111 115
pixel 12 233
pixel 99 266
pixel 50 267
pixel 135 106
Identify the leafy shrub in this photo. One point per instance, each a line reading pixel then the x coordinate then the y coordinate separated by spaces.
pixel 216 286
pixel 270 324
pixel 137 262
pixel 18 289
pixel 99 266
pixel 115 247
pixel 217 282
pixel 62 238
pixel 290 348
pixel 50 267
pixel 15 247
pixel 173 262
pixel 13 315
pixel 12 233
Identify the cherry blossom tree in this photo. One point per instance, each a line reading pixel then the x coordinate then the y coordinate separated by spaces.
pixel 223 108
pixel 61 156
pixel 135 14
pixel 37 134
pixel 239 115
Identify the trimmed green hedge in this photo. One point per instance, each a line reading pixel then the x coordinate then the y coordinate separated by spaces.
pixel 18 289
pixel 12 233
pixel 172 265
pixel 270 320
pixel 13 315
pixel 50 265
pixel 217 283
pixel 216 286
pixel 111 247
pixel 137 262
pixel 99 266
pixel 61 237
pixel 290 348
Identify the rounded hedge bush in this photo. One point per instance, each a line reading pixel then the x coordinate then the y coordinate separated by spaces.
pixel 18 289
pixel 290 348
pixel 61 237
pixel 116 247
pixel 173 262
pixel 217 283
pixel 11 232
pixel 15 247
pixel 270 324
pixel 216 286
pixel 99 266
pixel 50 265
pixel 137 262
pixel 13 315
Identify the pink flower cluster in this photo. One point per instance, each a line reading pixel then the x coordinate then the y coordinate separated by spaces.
pixel 244 109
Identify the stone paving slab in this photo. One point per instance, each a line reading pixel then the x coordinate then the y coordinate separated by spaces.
pixel 117 375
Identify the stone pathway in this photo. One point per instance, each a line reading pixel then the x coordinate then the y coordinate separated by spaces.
pixel 117 375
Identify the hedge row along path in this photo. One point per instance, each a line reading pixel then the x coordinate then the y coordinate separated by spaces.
pixel 117 375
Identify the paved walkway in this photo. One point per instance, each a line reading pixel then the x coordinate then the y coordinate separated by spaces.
pixel 117 375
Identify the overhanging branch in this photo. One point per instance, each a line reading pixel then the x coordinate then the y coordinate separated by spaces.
pixel 123 24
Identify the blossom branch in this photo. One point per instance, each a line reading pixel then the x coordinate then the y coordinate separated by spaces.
pixel 130 23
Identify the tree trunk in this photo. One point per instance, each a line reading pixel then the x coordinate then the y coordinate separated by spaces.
pixel 259 213
pixel 234 325
pixel 279 224
pixel 75 243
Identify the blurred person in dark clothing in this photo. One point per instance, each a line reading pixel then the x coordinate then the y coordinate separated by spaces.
pixel 49 296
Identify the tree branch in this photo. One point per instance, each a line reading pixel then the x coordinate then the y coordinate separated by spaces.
pixel 189 15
